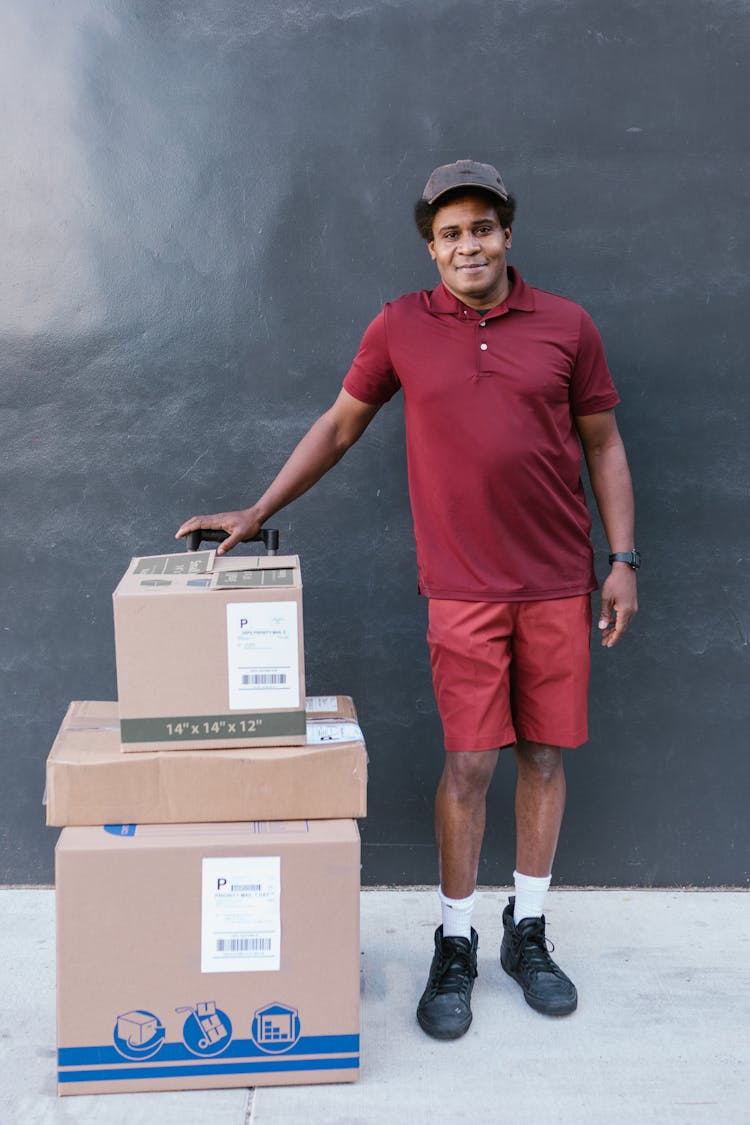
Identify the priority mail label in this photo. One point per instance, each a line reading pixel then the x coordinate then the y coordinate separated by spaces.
pixel 263 668
pixel 241 914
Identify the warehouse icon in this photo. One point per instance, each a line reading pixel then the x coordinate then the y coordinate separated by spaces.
pixel 276 1028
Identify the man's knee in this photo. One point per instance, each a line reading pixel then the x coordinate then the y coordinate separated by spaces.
pixel 545 763
pixel 467 775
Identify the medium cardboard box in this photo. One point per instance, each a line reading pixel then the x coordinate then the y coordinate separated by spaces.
pixel 89 781
pixel 192 956
pixel 210 652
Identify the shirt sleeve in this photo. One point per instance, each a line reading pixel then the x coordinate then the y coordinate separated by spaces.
pixel 591 386
pixel 371 377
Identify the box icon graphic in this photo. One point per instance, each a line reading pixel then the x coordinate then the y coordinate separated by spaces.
pixel 138 1034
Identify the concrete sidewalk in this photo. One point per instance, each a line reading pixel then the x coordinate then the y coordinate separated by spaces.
pixel 661 1033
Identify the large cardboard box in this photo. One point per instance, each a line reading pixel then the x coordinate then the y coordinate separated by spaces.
pixel 192 956
pixel 89 780
pixel 210 652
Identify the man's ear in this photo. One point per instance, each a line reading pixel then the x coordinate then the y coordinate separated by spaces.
pixel 508 236
pixel 431 249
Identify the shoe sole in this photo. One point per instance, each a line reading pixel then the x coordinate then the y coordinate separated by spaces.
pixel 436 1033
pixel 539 1005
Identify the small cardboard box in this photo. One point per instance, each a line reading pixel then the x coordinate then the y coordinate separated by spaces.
pixel 193 956
pixel 210 652
pixel 89 781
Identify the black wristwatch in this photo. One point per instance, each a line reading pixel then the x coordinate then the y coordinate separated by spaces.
pixel 632 558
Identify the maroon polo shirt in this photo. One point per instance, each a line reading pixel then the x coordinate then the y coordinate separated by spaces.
pixel 493 454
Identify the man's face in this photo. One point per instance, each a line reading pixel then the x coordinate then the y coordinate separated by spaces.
pixel 468 246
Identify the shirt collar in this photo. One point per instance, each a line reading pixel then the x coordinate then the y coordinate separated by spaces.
pixel 521 297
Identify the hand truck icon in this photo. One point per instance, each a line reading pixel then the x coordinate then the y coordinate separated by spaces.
pixel 212 1029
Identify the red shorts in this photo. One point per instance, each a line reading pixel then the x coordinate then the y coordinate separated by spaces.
pixel 509 670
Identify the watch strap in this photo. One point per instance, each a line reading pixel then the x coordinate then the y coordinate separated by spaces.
pixel 632 558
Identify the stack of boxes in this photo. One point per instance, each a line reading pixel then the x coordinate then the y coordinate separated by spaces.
pixel 208 871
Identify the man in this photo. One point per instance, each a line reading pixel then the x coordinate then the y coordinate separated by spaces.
pixel 503 384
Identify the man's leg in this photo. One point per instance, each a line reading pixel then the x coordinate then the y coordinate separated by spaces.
pixel 470 654
pixel 444 1010
pixel 540 803
pixel 460 813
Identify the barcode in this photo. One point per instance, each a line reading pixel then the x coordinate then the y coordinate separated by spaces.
pixel 243 945
pixel 254 887
pixel 264 679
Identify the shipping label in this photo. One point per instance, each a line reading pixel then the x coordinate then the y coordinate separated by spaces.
pixel 241 914
pixel 316 703
pixel 334 730
pixel 262 644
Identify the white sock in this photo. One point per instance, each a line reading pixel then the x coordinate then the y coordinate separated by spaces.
pixel 530 894
pixel 456 915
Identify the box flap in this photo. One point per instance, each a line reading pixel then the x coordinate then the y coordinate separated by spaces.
pixel 204 836
pixel 90 714
pixel 195 570
pixel 253 571
pixel 184 562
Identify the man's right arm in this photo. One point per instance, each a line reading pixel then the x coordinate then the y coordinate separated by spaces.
pixel 324 444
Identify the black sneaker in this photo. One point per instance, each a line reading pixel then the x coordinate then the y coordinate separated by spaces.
pixel 525 957
pixel 445 1008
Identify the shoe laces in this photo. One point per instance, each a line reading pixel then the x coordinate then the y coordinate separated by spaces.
pixel 534 947
pixel 455 970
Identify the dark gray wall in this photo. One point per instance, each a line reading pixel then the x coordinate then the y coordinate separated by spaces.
pixel 202 207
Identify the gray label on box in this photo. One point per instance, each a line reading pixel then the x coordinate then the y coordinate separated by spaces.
pixel 241 578
pixel 205 728
pixel 189 563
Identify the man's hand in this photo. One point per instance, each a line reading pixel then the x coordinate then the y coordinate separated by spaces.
pixel 240 526
pixel 619 603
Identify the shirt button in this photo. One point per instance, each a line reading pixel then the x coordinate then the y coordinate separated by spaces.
pixel 483 347
pixel 482 323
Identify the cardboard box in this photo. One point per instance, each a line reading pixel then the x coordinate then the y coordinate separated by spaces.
pixel 89 780
pixel 193 956
pixel 210 652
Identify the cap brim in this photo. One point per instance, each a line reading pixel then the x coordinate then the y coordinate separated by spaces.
pixel 466 184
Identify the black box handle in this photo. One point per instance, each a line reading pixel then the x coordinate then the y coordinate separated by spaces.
pixel 268 536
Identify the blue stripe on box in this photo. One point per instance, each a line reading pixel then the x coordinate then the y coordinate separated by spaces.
pixel 238 1048
pixel 269 1065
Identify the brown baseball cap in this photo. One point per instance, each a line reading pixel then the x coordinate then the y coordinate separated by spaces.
pixel 464 173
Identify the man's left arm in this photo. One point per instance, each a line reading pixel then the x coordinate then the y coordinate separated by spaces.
pixel 613 489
